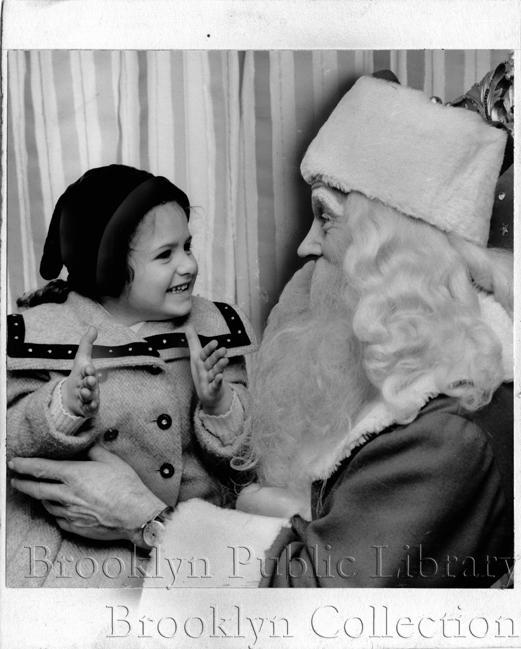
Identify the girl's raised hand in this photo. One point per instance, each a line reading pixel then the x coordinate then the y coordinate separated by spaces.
pixel 207 364
pixel 80 390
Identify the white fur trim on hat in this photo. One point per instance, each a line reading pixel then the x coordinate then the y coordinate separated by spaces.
pixel 433 162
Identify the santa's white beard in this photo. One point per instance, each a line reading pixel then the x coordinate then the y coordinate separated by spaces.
pixel 309 384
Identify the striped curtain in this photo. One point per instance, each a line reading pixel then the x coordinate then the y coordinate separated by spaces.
pixel 228 127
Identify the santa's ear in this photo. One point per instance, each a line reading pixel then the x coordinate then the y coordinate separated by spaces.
pixel 490 268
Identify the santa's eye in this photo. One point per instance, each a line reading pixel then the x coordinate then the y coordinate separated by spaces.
pixel 325 220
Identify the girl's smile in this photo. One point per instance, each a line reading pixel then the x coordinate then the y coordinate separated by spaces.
pixel 180 288
pixel 163 269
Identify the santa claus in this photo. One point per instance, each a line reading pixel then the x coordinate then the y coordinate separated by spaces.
pixel 385 361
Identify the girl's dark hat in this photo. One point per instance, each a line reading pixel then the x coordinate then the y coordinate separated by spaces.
pixel 93 222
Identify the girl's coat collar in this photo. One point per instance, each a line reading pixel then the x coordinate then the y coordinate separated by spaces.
pixel 47 336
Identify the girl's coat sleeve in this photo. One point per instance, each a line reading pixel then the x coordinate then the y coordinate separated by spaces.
pixel 30 429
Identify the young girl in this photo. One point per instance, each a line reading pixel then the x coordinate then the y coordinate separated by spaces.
pixel 111 357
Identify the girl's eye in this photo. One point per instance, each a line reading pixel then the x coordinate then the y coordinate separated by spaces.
pixel 164 255
pixel 188 247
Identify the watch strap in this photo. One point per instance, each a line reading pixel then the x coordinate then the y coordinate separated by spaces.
pixel 162 516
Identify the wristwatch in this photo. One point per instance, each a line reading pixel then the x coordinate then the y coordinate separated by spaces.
pixel 153 531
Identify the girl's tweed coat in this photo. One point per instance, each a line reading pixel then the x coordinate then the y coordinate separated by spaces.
pixel 148 412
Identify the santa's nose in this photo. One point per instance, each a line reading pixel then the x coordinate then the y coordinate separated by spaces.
pixel 311 246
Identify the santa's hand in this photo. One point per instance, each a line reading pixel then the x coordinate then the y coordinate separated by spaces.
pixel 207 364
pixel 103 498
pixel 80 391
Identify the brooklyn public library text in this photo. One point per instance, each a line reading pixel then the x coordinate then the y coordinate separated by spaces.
pixel 321 561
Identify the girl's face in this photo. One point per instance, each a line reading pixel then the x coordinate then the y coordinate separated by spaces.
pixel 163 265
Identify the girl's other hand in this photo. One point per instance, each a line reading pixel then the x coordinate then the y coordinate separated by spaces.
pixel 207 364
pixel 280 502
pixel 80 391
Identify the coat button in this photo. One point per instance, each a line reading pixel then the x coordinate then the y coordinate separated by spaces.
pixel 164 421
pixel 154 369
pixel 110 434
pixel 167 470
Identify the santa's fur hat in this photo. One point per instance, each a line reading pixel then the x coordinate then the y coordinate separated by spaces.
pixel 392 143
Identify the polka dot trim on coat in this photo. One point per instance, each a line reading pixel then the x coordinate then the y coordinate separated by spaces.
pixel 17 347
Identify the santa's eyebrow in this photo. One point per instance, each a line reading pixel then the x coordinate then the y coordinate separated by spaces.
pixel 325 201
